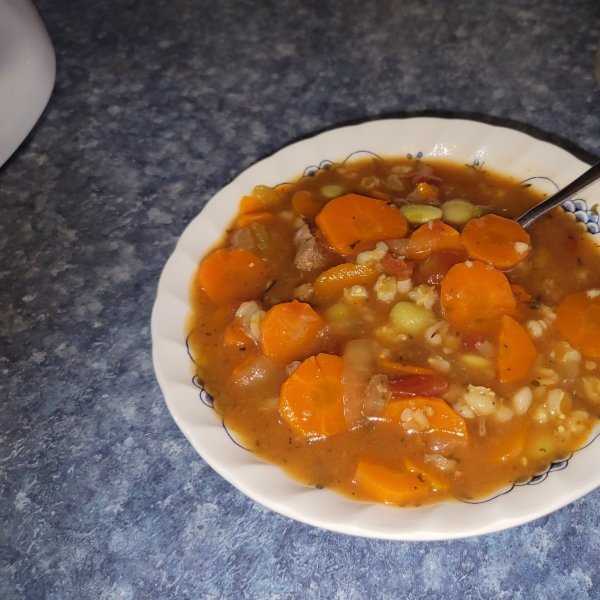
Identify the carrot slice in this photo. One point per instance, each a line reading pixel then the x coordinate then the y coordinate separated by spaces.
pixel 390 367
pixel 520 293
pixel 289 331
pixel 440 416
pixel 232 274
pixel 306 205
pixel 578 320
pixel 311 400
pixel 250 204
pixel 388 486
pixel 431 237
pixel 330 284
pixel 516 351
pixel 236 336
pixel 495 240
pixel 474 296
pixel 351 223
pixel 508 447
pixel 244 220
pixel 262 198
pixel 437 482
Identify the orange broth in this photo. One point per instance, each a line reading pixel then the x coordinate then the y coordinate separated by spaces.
pixel 483 427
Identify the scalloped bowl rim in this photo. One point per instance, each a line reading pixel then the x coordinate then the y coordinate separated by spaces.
pixel 503 150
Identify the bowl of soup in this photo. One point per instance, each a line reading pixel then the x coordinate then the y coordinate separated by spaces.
pixel 357 334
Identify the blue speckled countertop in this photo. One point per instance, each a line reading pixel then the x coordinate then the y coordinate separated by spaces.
pixel 157 105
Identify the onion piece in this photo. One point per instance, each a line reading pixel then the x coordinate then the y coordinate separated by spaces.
pixel 377 395
pixel 258 370
pixel 360 358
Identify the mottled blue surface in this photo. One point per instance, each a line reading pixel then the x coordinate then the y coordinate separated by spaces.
pixel 158 104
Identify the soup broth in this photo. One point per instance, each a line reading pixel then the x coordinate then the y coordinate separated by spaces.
pixel 373 329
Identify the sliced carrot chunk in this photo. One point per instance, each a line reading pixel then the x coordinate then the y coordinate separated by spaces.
pixel 432 237
pixel 244 220
pixel 236 336
pixel 289 331
pixel 387 485
pixel 330 284
pixel 520 293
pixel 495 240
pixel 440 416
pixel 578 320
pixel 311 400
pixel 351 223
pixel 250 204
pixel 474 296
pixel 436 481
pixel 509 446
pixel 232 274
pixel 306 205
pixel 390 367
pixel 516 351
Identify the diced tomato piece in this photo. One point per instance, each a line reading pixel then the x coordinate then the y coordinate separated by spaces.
pixel 470 339
pixel 432 386
pixel 434 268
pixel 397 266
pixel 334 343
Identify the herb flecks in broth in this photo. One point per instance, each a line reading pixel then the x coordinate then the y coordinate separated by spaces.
pixel 384 329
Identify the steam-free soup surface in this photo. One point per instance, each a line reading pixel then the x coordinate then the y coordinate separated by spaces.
pixel 376 329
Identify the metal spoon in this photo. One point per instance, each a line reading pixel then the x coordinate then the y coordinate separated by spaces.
pixel 590 176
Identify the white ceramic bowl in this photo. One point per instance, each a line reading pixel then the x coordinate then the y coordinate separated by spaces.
pixel 27 70
pixel 503 150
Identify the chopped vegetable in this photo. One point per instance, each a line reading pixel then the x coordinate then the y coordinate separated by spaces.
pixel 409 319
pixel 431 237
pixel 244 220
pixel 392 368
pixel 311 400
pixel 331 283
pixel 262 198
pixel 520 294
pixel 352 223
pixel 474 296
pixel 232 274
pixel 386 485
pixel 459 212
pixel 417 214
pixel 500 242
pixel 289 331
pixel 437 482
pixel 439 416
pixel 396 266
pixel 578 320
pixel 510 447
pixel 434 268
pixel 306 205
pixel 259 373
pixel 236 336
pixel 332 191
pixel 430 385
pixel 516 351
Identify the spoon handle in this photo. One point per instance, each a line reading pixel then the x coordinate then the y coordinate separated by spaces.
pixel 583 181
